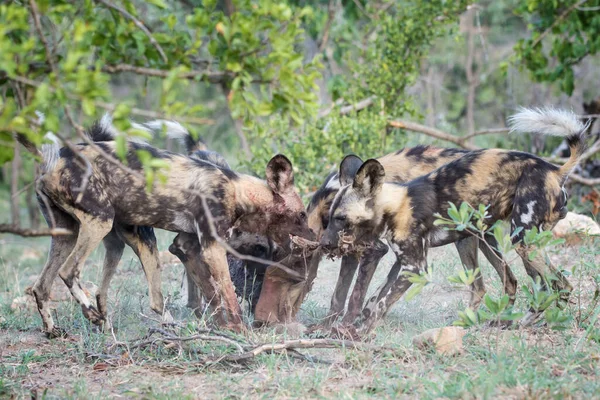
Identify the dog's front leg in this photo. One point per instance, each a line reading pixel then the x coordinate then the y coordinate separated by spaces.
pixel 215 258
pixel 411 258
pixel 338 300
pixel 367 267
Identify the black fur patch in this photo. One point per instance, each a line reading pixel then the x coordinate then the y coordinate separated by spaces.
pixel 97 133
pixel 418 153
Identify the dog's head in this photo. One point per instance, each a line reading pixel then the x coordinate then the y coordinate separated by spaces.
pixel 285 215
pixel 353 215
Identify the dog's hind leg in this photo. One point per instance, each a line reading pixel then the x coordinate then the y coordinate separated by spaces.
pixel 91 232
pixel 467 251
pixel 114 246
pixel 60 248
pixel 186 247
pixel 142 241
pixel 509 281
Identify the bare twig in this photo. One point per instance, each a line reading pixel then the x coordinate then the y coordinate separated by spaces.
pixel 358 106
pixel 139 24
pixel 433 132
pixel 15 230
pixel 347 109
pixel 157 115
pixel 111 107
pixel 169 338
pixel 485 132
pixel 327 28
pixel 38 27
pixel 209 76
pixel 557 21
pixel 585 181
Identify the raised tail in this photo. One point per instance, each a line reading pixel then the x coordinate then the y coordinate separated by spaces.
pixel 175 130
pixel 554 122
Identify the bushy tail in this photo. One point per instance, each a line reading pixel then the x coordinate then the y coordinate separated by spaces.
pixel 175 130
pixel 551 121
pixel 50 153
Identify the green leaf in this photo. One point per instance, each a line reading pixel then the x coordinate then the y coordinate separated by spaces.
pixel 158 3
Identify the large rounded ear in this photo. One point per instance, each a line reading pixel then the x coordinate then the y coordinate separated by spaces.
pixel 369 178
pixel 280 174
pixel 348 167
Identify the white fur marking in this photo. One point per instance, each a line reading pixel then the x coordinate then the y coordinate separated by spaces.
pixel 526 218
pixel 174 130
pixel 333 183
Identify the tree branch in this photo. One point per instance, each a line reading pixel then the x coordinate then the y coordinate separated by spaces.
pixel 139 24
pixel 327 28
pixel 433 132
pixel 25 232
pixel 585 181
pixel 302 344
pixel 557 21
pixel 111 107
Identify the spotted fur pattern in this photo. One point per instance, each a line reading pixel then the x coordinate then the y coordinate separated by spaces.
pixel 400 166
pixel 111 194
pixel 519 187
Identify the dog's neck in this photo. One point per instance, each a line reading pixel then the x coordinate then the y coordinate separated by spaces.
pixel 252 194
pixel 392 208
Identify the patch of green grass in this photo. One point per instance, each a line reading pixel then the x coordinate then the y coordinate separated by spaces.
pixel 536 362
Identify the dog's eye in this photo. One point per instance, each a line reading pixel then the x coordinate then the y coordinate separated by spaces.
pixel 340 217
pixel 303 215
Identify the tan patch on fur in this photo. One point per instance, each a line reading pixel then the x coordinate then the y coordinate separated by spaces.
pixel 394 200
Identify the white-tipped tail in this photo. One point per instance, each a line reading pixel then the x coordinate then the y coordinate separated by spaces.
pixel 107 126
pixel 546 121
pixel 50 152
pixel 550 121
pixel 174 130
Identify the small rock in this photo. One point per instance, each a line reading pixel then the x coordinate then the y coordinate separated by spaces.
pixel 575 227
pixel 446 340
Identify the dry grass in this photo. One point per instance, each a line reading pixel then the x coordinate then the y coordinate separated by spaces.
pixel 533 363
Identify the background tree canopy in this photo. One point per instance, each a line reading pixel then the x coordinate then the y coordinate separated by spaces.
pixel 314 80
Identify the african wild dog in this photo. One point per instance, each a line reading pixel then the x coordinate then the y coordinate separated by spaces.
pixel 518 187
pixel 113 194
pixel 401 166
pixel 246 275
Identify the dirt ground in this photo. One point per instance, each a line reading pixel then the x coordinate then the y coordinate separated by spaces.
pixel 532 363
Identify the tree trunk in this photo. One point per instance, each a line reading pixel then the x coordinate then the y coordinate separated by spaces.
pixel 32 204
pixel 430 119
pixel 472 80
pixel 238 124
pixel 14 187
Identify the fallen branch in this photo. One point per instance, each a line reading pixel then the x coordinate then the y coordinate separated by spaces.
pixel 25 232
pixel 302 344
pixel 170 339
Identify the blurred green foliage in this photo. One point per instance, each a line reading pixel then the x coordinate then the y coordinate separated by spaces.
pixel 562 34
